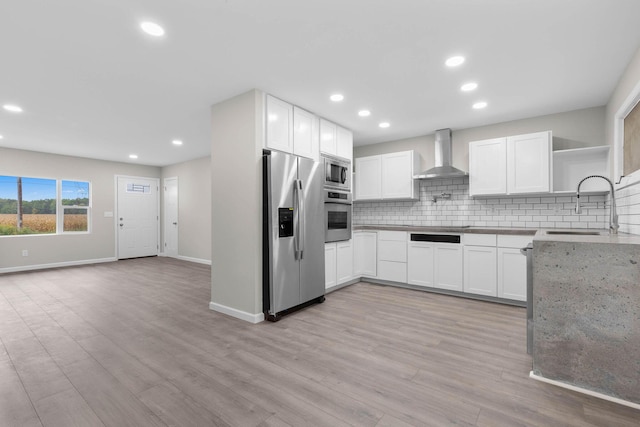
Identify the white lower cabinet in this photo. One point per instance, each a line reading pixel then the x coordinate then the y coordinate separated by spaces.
pixel 512 274
pixel 330 265
pixel 448 261
pixel 344 264
pixel 365 253
pixel 512 267
pixel 436 265
pixel 338 263
pixel 480 270
pixel 494 266
pixel 392 256
pixel 420 270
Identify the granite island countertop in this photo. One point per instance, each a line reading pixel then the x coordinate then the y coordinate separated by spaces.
pixel 602 236
pixel 448 229
pixel 586 312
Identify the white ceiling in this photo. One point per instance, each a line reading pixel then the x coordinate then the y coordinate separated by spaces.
pixel 93 85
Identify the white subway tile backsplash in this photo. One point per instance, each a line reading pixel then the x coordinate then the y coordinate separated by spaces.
pixel 534 212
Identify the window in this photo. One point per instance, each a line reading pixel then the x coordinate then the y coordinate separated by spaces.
pixel 631 141
pixel 43 206
pixel 75 206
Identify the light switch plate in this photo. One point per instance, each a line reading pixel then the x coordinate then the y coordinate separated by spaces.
pixel 108 214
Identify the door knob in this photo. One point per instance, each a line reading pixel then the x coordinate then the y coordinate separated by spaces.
pixel 175 223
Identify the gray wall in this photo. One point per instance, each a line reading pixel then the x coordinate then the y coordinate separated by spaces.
pixel 236 211
pixel 65 248
pixel 573 129
pixel 194 207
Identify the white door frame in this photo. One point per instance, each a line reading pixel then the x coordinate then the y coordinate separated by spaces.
pixel 115 216
pixel 165 217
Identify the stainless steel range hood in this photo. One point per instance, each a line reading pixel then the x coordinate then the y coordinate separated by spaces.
pixel 443 168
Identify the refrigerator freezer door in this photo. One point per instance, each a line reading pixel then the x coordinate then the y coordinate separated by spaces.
pixel 310 173
pixel 284 268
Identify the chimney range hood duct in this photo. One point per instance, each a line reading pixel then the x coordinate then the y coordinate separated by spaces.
pixel 443 168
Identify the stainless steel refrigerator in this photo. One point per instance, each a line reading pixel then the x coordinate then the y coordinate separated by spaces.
pixel 293 233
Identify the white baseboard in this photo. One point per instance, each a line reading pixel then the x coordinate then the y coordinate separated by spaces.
pixel 584 391
pixel 186 258
pixel 55 265
pixel 196 260
pixel 238 314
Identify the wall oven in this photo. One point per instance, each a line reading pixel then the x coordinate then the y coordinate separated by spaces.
pixel 337 215
pixel 337 173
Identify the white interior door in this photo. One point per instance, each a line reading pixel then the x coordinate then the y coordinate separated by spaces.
pixel 137 217
pixel 171 217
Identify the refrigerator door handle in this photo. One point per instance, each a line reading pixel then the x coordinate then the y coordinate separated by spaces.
pixel 301 214
pixel 296 220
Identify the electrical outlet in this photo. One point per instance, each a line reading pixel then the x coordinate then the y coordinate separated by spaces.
pixel 25 252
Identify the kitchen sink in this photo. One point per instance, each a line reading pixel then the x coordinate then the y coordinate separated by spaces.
pixel 574 233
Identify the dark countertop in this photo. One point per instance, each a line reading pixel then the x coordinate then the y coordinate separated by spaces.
pixel 449 229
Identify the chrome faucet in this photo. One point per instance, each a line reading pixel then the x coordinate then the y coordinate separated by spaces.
pixel 443 195
pixel 613 215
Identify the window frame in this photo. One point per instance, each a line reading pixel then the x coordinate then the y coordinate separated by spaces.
pixel 60 208
pixel 618 141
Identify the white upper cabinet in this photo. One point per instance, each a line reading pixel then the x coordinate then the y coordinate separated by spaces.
pixel 296 131
pixel 368 178
pixel 344 143
pixel 488 167
pixel 397 175
pixel 387 176
pixel 328 137
pixel 513 165
pixel 529 163
pixel 279 125
pixel 306 134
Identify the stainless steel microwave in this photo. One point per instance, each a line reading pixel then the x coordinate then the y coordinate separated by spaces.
pixel 337 173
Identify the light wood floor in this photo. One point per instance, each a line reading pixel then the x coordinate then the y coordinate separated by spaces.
pixel 133 343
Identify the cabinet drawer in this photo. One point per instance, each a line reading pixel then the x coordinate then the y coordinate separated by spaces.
pixel 393 271
pixel 517 242
pixel 480 239
pixel 392 251
pixel 397 236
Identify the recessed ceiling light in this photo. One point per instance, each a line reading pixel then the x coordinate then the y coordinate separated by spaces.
pixel 454 61
pixel 364 113
pixel 384 125
pixel 176 142
pixel 336 97
pixel 479 105
pixel 152 29
pixel 12 108
pixel 133 156
pixel 469 86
